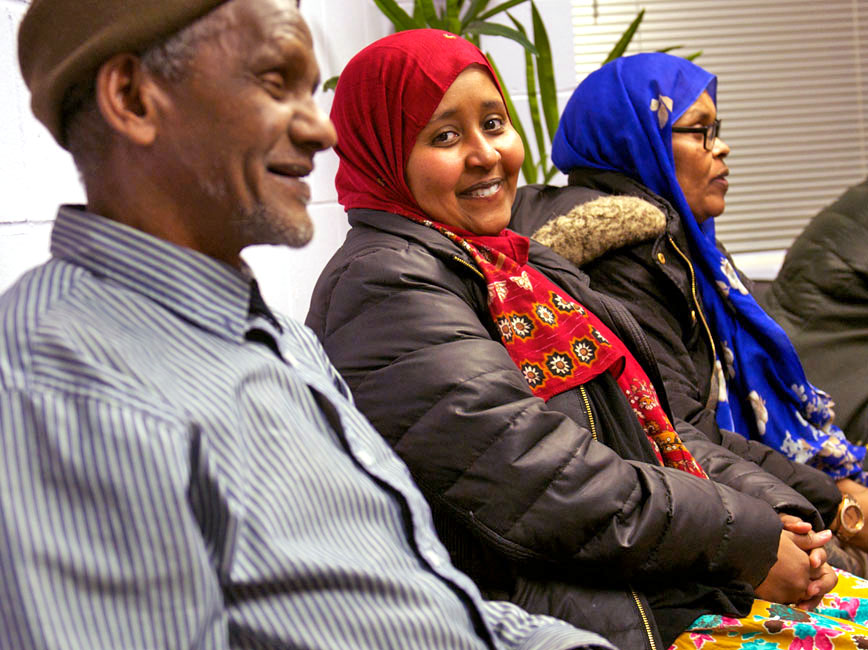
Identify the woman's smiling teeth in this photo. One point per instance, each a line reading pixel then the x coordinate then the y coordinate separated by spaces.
pixel 483 190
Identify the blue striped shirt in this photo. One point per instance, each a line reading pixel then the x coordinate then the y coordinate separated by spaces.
pixel 169 483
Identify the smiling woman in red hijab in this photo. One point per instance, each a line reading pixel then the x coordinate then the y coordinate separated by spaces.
pixel 525 404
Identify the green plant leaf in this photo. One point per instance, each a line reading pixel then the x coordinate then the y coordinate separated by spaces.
pixel 495 29
pixel 399 18
pixel 452 22
pixel 546 72
pixel 689 57
pixel 528 169
pixel 330 83
pixel 549 173
pixel 509 4
pixel 429 12
pixel 626 37
pixel 532 98
pixel 472 12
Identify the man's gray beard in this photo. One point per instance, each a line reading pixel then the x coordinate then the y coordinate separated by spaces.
pixel 263 226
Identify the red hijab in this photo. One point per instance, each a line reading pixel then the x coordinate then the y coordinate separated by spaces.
pixel 385 96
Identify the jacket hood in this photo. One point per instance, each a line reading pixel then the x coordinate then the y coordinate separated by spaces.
pixel 592 229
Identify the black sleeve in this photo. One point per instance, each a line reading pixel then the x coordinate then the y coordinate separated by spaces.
pixel 626 276
pixel 731 467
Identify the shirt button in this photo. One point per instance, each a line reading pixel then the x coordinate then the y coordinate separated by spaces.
pixel 661 258
pixel 693 315
pixel 365 457
pixel 433 557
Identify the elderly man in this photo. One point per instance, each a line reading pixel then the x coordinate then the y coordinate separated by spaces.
pixel 182 467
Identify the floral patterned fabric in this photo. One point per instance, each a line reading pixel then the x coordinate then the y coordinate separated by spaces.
pixel 620 118
pixel 558 344
pixel 840 621
pixel 643 399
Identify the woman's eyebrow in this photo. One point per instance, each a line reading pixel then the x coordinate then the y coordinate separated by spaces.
pixel 443 115
pixel 488 105
pixel 696 114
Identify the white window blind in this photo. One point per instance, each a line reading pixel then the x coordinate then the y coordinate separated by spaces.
pixel 792 94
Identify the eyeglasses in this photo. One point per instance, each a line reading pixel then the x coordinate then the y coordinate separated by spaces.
pixel 709 133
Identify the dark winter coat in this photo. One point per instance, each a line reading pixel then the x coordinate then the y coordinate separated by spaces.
pixel 525 496
pixel 632 245
pixel 820 297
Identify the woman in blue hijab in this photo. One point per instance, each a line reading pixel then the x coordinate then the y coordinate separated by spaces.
pixel 639 139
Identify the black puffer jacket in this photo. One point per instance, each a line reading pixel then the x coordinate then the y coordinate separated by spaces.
pixel 528 502
pixel 638 253
pixel 820 297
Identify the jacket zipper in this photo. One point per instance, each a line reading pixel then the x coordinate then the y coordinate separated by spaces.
pixel 587 402
pixel 642 614
pixel 644 617
pixel 695 299
pixel 468 265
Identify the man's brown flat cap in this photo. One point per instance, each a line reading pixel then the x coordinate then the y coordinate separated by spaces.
pixel 63 42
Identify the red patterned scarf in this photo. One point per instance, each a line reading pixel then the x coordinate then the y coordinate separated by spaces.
pixel 558 344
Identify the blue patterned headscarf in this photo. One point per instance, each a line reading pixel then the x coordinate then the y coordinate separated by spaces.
pixel 620 119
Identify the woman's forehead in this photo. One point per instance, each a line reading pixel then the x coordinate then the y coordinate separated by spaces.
pixel 703 107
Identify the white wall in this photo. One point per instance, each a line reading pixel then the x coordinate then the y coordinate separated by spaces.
pixel 37 175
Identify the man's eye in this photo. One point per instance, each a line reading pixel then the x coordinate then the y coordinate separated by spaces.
pixel 273 80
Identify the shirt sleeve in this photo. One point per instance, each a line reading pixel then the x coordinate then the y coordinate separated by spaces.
pixel 100 543
pixel 515 629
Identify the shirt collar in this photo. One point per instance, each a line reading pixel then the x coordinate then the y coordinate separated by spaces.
pixel 210 293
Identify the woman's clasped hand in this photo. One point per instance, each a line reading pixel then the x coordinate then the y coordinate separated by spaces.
pixel 801 575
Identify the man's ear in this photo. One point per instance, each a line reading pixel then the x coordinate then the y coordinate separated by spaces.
pixel 125 96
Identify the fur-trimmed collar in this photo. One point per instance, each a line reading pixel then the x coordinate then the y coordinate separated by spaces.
pixel 591 229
